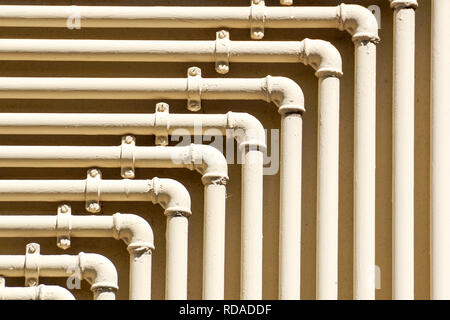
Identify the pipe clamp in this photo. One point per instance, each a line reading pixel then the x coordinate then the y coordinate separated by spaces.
pixel 127 157
pixel 222 52
pixel 63 226
pixel 257 19
pixel 92 192
pixel 161 124
pixel 31 268
pixel 194 88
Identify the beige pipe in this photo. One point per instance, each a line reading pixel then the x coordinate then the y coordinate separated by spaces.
pixel 403 150
pixel 323 57
pixel 41 292
pixel 168 193
pixel 97 270
pixel 356 19
pixel 248 133
pixel 205 159
pixel 133 230
pixel 440 150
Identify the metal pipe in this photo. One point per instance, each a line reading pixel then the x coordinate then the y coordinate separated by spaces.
pixel 132 229
pixel 440 150
pixel 97 270
pixel 168 193
pixel 355 19
pixel 403 149
pixel 323 57
pixel 247 130
pixel 41 292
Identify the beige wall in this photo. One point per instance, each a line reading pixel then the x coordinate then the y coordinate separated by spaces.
pixel 268 115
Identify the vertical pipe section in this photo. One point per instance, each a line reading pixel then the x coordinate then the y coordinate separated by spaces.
pixel 252 223
pixel 440 150
pixel 364 167
pixel 328 190
pixel 176 256
pixel 290 206
pixel 403 152
pixel 214 239
pixel 140 273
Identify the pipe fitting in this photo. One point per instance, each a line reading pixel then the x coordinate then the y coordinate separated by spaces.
pixel 247 130
pixel 402 4
pixel 171 195
pixel 44 292
pixel 135 231
pixel 358 21
pixel 98 271
pixel 285 93
pixel 209 162
pixel 322 56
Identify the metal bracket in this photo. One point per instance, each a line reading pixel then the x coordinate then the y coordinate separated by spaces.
pixel 286 2
pixel 92 194
pixel 127 157
pixel 194 89
pixel 257 19
pixel 31 268
pixel 63 226
pixel 161 121
pixel 222 51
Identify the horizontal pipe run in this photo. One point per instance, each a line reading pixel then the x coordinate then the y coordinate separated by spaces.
pixel 94 268
pixel 133 230
pixel 355 19
pixel 41 292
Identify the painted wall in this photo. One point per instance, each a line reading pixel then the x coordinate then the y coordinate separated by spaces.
pixel 267 114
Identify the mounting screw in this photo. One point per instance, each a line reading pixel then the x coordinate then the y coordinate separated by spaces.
pixel 194 71
pixel 129 174
pixel 94 207
pixel 162 107
pixel 93 172
pixel 129 139
pixel 222 34
pixel 32 282
pixel 63 243
pixel 32 248
pixel 64 208
pixel 223 68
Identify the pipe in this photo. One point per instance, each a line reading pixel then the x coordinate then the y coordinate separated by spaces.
pixel 205 159
pixel 168 193
pixel 41 292
pixel 440 150
pixel 132 229
pixel 355 19
pixel 97 270
pixel 322 56
pixel 248 132
pixel 403 149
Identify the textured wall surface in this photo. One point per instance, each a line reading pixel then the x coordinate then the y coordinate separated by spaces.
pixel 267 114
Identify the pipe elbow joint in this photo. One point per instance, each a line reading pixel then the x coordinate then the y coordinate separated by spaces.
pixel 322 56
pixel 171 195
pixel 209 162
pixel 286 94
pixel 247 130
pixel 53 293
pixel 403 4
pixel 98 271
pixel 359 22
pixel 135 231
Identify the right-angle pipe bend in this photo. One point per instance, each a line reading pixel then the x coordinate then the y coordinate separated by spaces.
pixel 358 21
pixel 322 56
pixel 171 195
pixel 98 271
